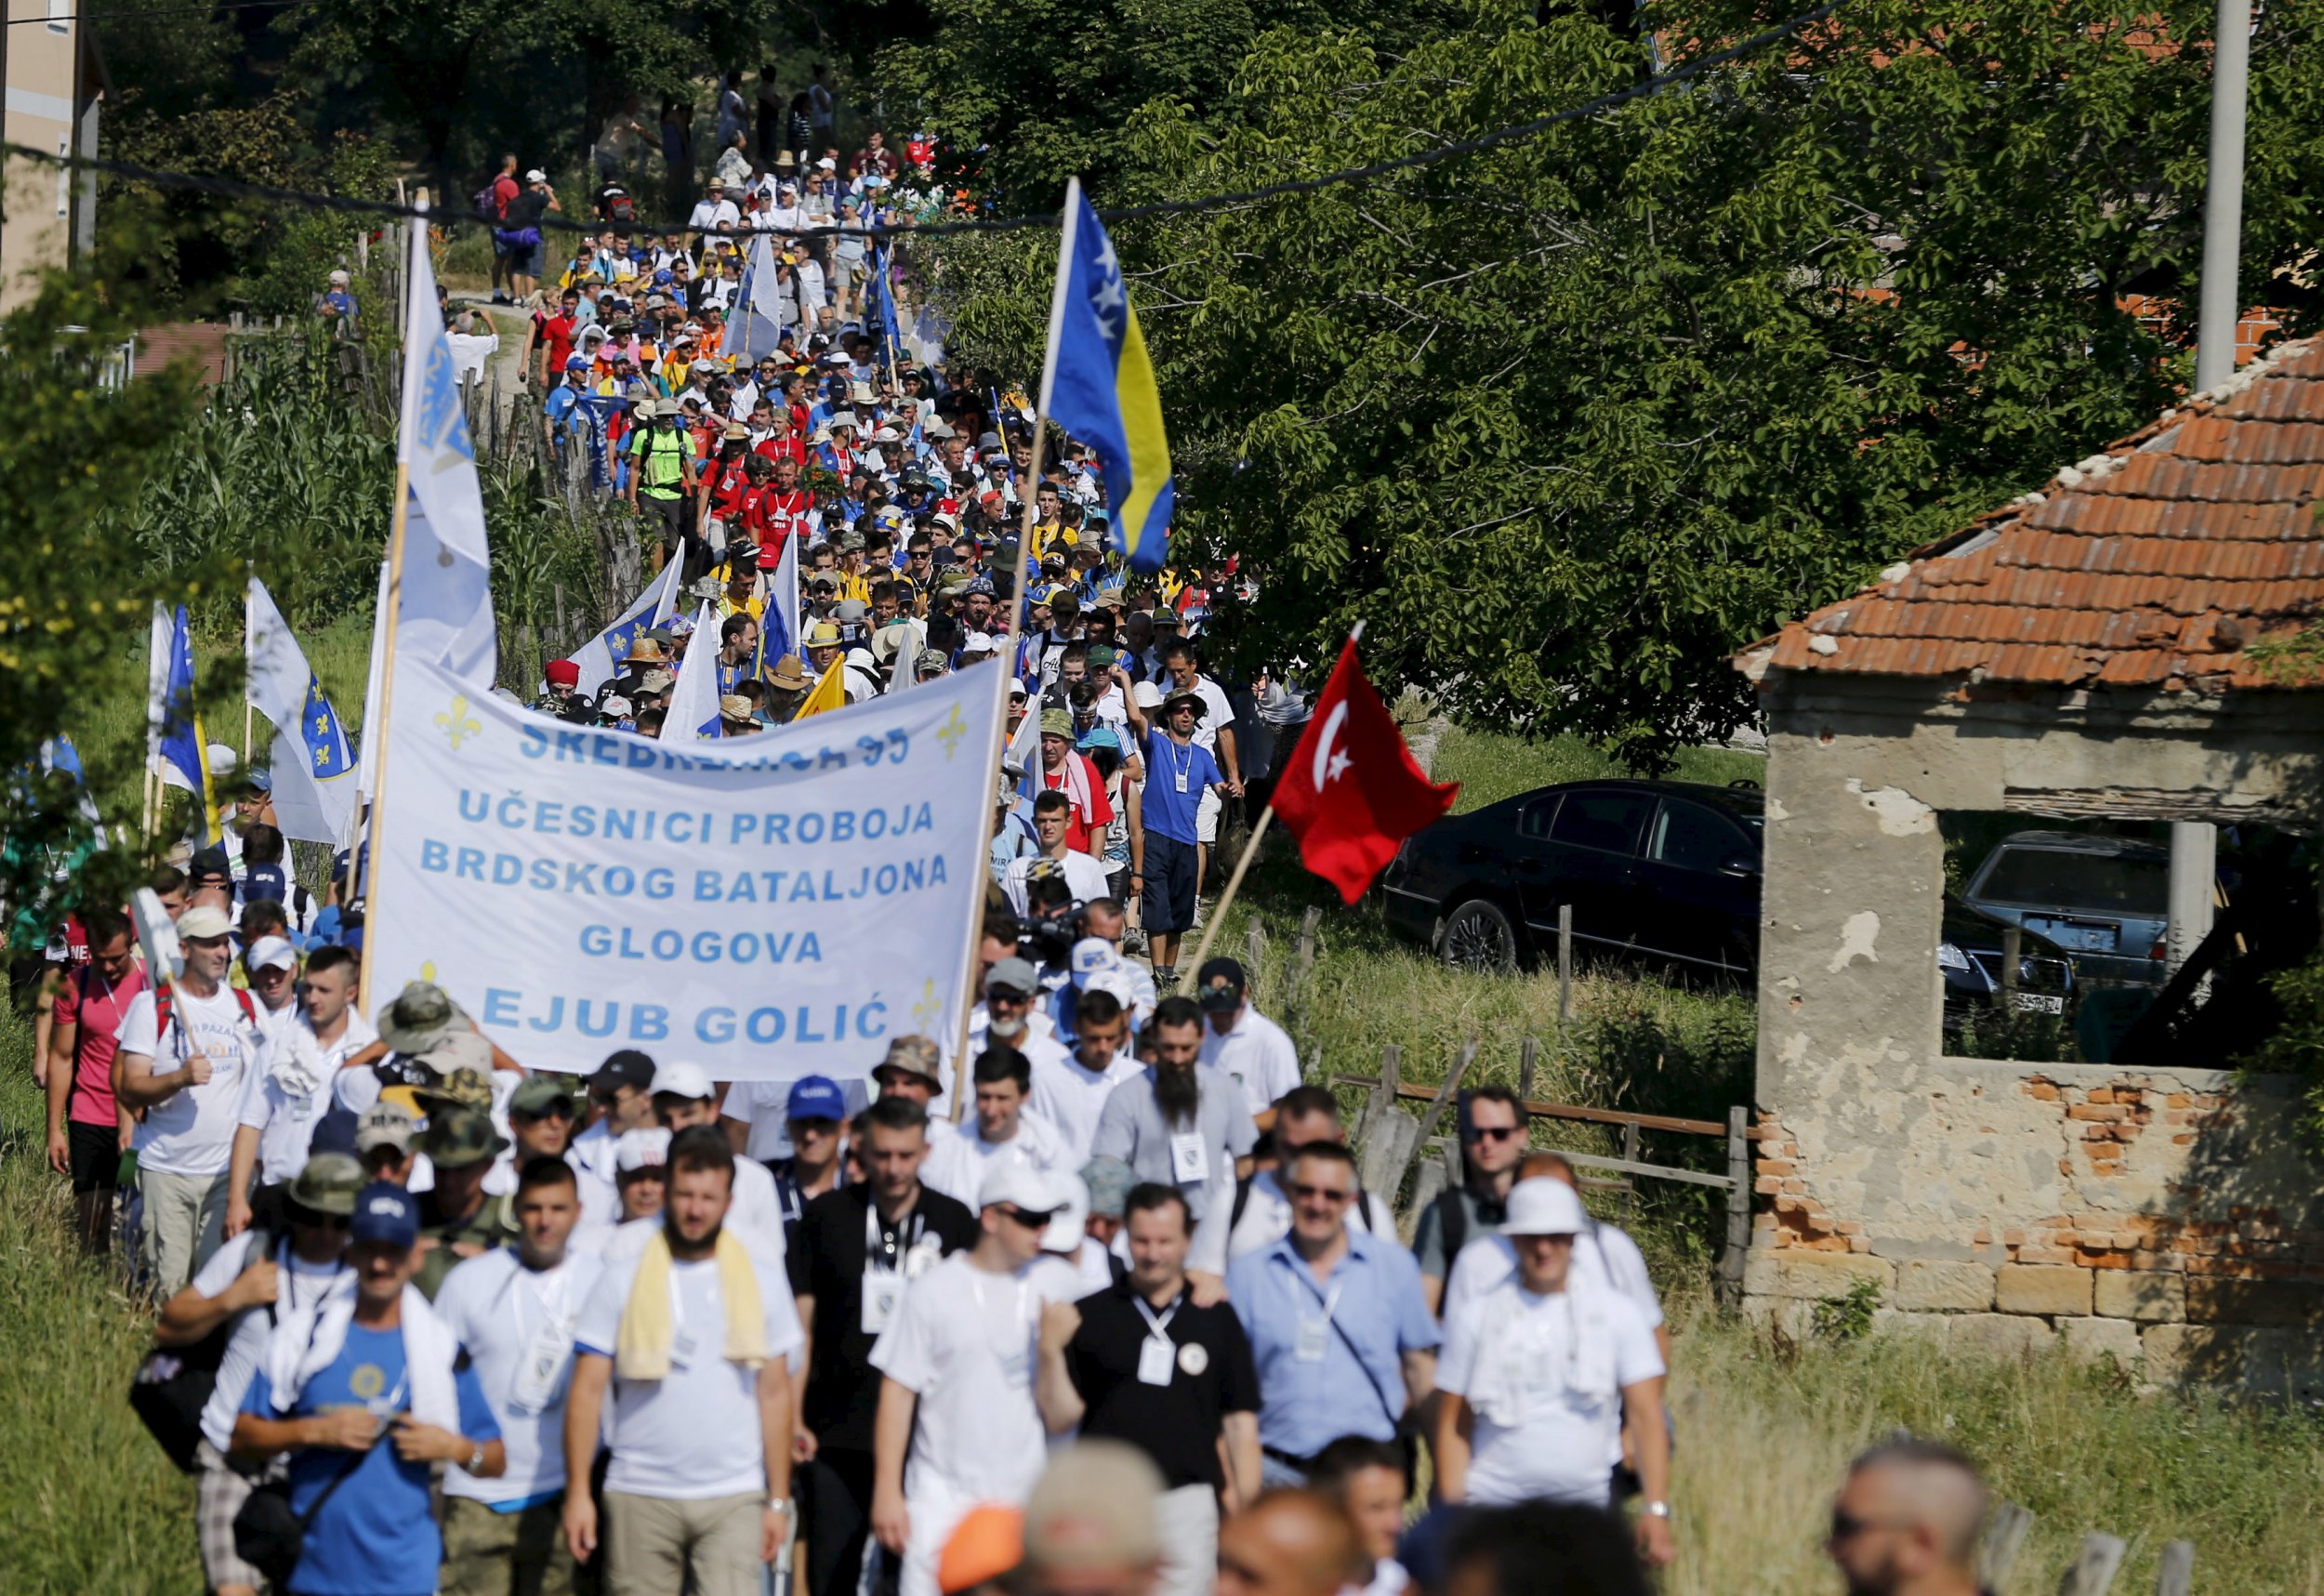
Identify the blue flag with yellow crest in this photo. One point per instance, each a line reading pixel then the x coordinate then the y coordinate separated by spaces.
pixel 1098 385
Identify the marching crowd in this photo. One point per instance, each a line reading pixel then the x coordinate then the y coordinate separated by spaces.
pixel 1098 1306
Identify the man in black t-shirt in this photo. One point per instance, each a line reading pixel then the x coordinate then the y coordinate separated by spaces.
pixel 857 1250
pixel 1140 1362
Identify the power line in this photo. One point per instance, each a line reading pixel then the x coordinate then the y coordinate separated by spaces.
pixel 156 11
pixel 228 188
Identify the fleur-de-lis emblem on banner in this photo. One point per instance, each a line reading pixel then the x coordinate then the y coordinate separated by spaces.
pixel 928 1010
pixel 458 724
pixel 951 732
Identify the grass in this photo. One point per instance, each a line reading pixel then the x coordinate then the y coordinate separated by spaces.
pixel 1764 1431
pixel 88 1502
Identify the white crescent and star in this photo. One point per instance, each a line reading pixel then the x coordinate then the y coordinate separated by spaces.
pixel 1329 764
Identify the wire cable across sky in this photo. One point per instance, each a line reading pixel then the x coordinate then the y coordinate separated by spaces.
pixel 228 188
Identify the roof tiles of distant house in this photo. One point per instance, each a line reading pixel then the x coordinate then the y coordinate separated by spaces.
pixel 2156 564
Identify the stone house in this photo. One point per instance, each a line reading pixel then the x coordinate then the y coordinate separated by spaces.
pixel 2081 652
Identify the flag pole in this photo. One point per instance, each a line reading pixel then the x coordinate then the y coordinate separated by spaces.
pixel 1251 852
pixel 1016 609
pixel 366 855
pixel 249 569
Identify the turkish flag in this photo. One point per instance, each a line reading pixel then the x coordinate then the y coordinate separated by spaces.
pixel 1354 793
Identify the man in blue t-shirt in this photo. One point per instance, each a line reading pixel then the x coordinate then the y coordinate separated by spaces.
pixel 1162 848
pixel 364 1419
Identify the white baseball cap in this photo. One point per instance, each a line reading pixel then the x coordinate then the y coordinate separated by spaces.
pixel 536 176
pixel 1146 695
pixel 270 953
pixel 204 920
pixel 682 1079
pixel 647 1149
pixel 1009 1180
pixel 1544 1206
pixel 1071 1219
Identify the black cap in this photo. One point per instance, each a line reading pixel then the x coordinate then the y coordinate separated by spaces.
pixel 1218 984
pixel 625 1068
pixel 210 861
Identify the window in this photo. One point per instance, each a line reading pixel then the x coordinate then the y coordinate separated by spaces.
pixel 1692 837
pixel 1535 820
pixel 2125 878
pixel 1602 820
pixel 60 14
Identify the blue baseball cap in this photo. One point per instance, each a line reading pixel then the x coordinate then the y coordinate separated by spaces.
pixel 385 1213
pixel 335 1132
pixel 816 1097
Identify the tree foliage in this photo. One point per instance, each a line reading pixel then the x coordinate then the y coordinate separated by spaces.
pixel 1568 420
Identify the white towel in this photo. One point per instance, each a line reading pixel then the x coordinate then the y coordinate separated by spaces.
pixel 294 1060
pixel 306 1343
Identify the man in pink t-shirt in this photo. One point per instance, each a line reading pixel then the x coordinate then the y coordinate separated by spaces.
pixel 86 1129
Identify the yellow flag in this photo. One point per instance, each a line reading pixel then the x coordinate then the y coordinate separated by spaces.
pixel 830 692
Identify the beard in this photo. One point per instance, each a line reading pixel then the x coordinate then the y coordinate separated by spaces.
pixel 1177 1092
pixel 678 1243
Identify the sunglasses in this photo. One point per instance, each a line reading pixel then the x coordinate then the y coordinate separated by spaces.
pixel 1328 1194
pixel 1030 1221
pixel 1491 1132
pixel 1845 1526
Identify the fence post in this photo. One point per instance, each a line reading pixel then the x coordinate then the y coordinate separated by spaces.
pixel 2004 1539
pixel 1254 949
pixel 1630 1185
pixel 1528 1056
pixel 2092 1572
pixel 1435 1116
pixel 1565 975
pixel 1731 1258
pixel 2174 1571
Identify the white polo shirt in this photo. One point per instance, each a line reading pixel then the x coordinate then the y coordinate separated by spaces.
pixel 1258 1053
pixel 958 1165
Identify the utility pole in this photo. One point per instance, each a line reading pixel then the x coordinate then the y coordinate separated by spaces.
pixel 2193 844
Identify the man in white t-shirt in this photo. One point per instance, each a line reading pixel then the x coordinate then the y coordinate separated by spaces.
pixel 715 212
pixel 690 1335
pixel 1070 1088
pixel 1239 1040
pixel 1604 1258
pixel 683 1097
pixel 301 1261
pixel 271 964
pixel 288 1088
pixel 1537 1374
pixel 957 1421
pixel 185 1069
pixel 515 1309
pixel 1085 876
pixel 1003 1130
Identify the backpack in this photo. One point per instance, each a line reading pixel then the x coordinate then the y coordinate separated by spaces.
pixel 620 209
pixel 174 1384
pixel 484 203
pixel 1242 1201
pixel 162 1013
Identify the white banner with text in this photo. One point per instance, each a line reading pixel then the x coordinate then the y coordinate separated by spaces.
pixel 767 906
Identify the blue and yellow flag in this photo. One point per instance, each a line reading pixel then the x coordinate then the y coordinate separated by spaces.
pixel 1100 385
pixel 184 756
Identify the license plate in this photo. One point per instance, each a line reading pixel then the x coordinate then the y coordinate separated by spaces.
pixel 2037 1002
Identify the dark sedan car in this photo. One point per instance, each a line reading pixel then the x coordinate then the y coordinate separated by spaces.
pixel 1666 868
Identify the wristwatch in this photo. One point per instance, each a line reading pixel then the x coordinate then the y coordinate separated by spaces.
pixel 1656 1509
pixel 779 1505
pixel 475 1456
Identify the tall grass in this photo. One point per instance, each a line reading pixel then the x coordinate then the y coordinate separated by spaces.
pixel 88 1502
pixel 1765 1430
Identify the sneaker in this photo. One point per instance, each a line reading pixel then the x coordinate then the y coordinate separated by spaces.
pixel 1195 924
pixel 500 299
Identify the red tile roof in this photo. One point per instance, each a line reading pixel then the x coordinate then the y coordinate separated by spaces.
pixel 2157 563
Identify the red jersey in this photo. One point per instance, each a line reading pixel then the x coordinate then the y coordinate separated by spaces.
pixel 556 335
pixel 97 1006
pixel 1079 826
pixel 729 486
pixel 783 515
pixel 786 447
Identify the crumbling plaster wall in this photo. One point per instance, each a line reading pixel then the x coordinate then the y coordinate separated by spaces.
pixel 2162 1216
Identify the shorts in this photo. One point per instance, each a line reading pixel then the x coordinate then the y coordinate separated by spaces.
pixel 1207 815
pixel 94 1153
pixel 527 259
pixel 220 1490
pixel 1166 906
pixel 670 512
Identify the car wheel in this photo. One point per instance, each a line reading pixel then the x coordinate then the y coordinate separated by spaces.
pixel 1478 936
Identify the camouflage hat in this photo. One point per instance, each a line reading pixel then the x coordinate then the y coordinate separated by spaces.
pixel 915 1055
pixel 463 1087
pixel 930 662
pixel 458 1137
pixel 461 1049
pixel 418 1017
pixel 328 1183
pixel 953 581
pixel 1057 723
pixel 538 1096
pixel 385 1124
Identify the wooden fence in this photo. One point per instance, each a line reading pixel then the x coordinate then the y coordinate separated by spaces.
pixel 2095 1564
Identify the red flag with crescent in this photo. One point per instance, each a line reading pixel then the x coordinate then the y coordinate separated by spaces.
pixel 1353 792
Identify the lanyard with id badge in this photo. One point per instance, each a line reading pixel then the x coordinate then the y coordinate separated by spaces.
pixel 547 1357
pixel 1315 1334
pixel 1158 1355
pixel 883 1286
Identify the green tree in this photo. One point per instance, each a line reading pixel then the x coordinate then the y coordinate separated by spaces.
pixel 1570 420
